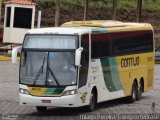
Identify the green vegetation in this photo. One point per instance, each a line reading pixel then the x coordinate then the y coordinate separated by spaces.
pixel 9 54
pixel 151 4
pixel 72 10
pixel 122 4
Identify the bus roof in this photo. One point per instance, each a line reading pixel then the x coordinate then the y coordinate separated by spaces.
pixel 59 30
pixel 104 24
pixel 96 23
pixel 111 25
pixel 94 26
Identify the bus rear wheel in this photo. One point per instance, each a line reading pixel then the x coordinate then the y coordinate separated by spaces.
pixel 139 92
pixel 41 108
pixel 93 102
pixel 132 98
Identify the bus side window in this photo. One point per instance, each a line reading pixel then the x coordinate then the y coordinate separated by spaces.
pixel 101 46
pixel 133 42
pixel 84 61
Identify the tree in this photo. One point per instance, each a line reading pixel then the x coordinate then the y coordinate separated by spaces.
pixel 57 13
pixel 0 10
pixel 139 10
pixel 86 9
pixel 114 9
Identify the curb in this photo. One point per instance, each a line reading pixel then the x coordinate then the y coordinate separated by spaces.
pixel 4 58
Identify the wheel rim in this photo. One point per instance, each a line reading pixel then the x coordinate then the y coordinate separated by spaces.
pixel 92 101
pixel 134 94
pixel 140 91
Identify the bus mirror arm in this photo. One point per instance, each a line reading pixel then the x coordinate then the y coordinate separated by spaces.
pixel 14 54
pixel 78 56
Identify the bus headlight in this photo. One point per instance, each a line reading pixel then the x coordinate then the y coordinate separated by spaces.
pixel 24 91
pixel 70 92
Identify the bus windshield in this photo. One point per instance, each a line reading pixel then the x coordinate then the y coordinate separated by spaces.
pixel 48 60
pixel 48 68
pixel 60 42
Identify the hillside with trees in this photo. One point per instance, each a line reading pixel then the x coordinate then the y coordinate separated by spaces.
pixel 126 10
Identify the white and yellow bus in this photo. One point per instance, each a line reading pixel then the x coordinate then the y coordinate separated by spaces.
pixel 83 63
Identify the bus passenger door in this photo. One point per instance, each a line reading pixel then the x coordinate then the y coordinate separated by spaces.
pixel 83 72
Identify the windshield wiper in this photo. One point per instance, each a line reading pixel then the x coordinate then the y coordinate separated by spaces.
pixel 41 69
pixel 54 76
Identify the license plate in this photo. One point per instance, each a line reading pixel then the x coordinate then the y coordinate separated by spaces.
pixel 46 101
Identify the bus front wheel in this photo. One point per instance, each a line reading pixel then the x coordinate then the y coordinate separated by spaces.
pixel 41 108
pixel 93 102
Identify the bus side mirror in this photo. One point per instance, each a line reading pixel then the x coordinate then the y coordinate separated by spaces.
pixel 14 54
pixel 78 56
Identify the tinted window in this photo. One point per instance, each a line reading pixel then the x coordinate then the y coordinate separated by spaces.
pixel 121 43
pixel 132 42
pixel 22 17
pixel 8 16
pixel 101 45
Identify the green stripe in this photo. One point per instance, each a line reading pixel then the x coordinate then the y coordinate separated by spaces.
pixel 99 30
pixel 115 73
pixel 54 91
pixel 111 75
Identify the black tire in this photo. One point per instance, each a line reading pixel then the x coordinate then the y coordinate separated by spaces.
pixel 139 92
pixel 41 108
pixel 133 97
pixel 93 102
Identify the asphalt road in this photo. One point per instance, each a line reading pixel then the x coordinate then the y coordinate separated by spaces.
pixel 11 110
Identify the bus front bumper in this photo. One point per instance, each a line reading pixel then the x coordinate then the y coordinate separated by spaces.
pixel 63 101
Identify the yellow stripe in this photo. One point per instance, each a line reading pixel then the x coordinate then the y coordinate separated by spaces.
pixel 38 91
pixel 123 29
pixel 4 58
pixel 113 26
pixel 95 23
pixel 48 95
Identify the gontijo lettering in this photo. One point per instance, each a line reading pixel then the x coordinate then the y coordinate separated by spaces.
pixel 128 62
